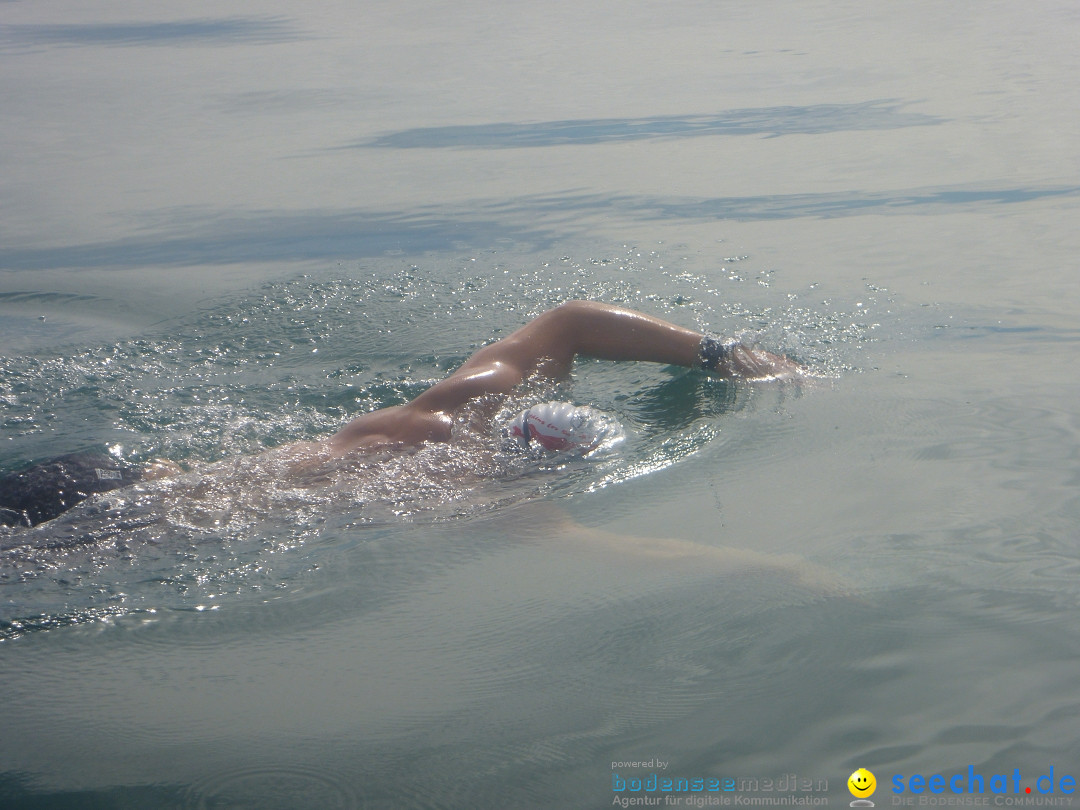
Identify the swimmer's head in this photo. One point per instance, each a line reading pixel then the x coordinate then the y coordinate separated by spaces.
pixel 563 428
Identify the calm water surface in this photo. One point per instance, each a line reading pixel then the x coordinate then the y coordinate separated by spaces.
pixel 223 229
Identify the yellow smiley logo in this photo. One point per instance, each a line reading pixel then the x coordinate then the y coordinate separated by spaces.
pixel 862 783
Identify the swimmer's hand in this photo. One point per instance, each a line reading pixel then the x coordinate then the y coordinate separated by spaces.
pixel 758 364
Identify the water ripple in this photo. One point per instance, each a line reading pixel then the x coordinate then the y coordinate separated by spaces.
pixel 283 785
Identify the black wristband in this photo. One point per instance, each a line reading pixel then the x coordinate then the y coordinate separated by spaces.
pixel 713 351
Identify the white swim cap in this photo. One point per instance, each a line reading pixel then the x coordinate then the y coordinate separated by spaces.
pixel 562 427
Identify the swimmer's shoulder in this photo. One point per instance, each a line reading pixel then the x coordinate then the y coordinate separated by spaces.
pixel 399 426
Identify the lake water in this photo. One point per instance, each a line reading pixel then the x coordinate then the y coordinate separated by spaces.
pixel 224 228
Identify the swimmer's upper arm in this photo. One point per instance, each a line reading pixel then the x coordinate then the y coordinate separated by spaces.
pixel 396 425
pixel 538 348
pixel 468 383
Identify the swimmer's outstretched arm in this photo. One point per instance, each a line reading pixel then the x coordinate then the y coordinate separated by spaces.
pixel 546 347
pixel 547 524
pixel 549 343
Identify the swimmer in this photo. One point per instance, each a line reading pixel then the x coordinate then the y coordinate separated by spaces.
pixel 544 349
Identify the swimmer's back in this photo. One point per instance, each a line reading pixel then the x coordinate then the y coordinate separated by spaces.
pixel 41 492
